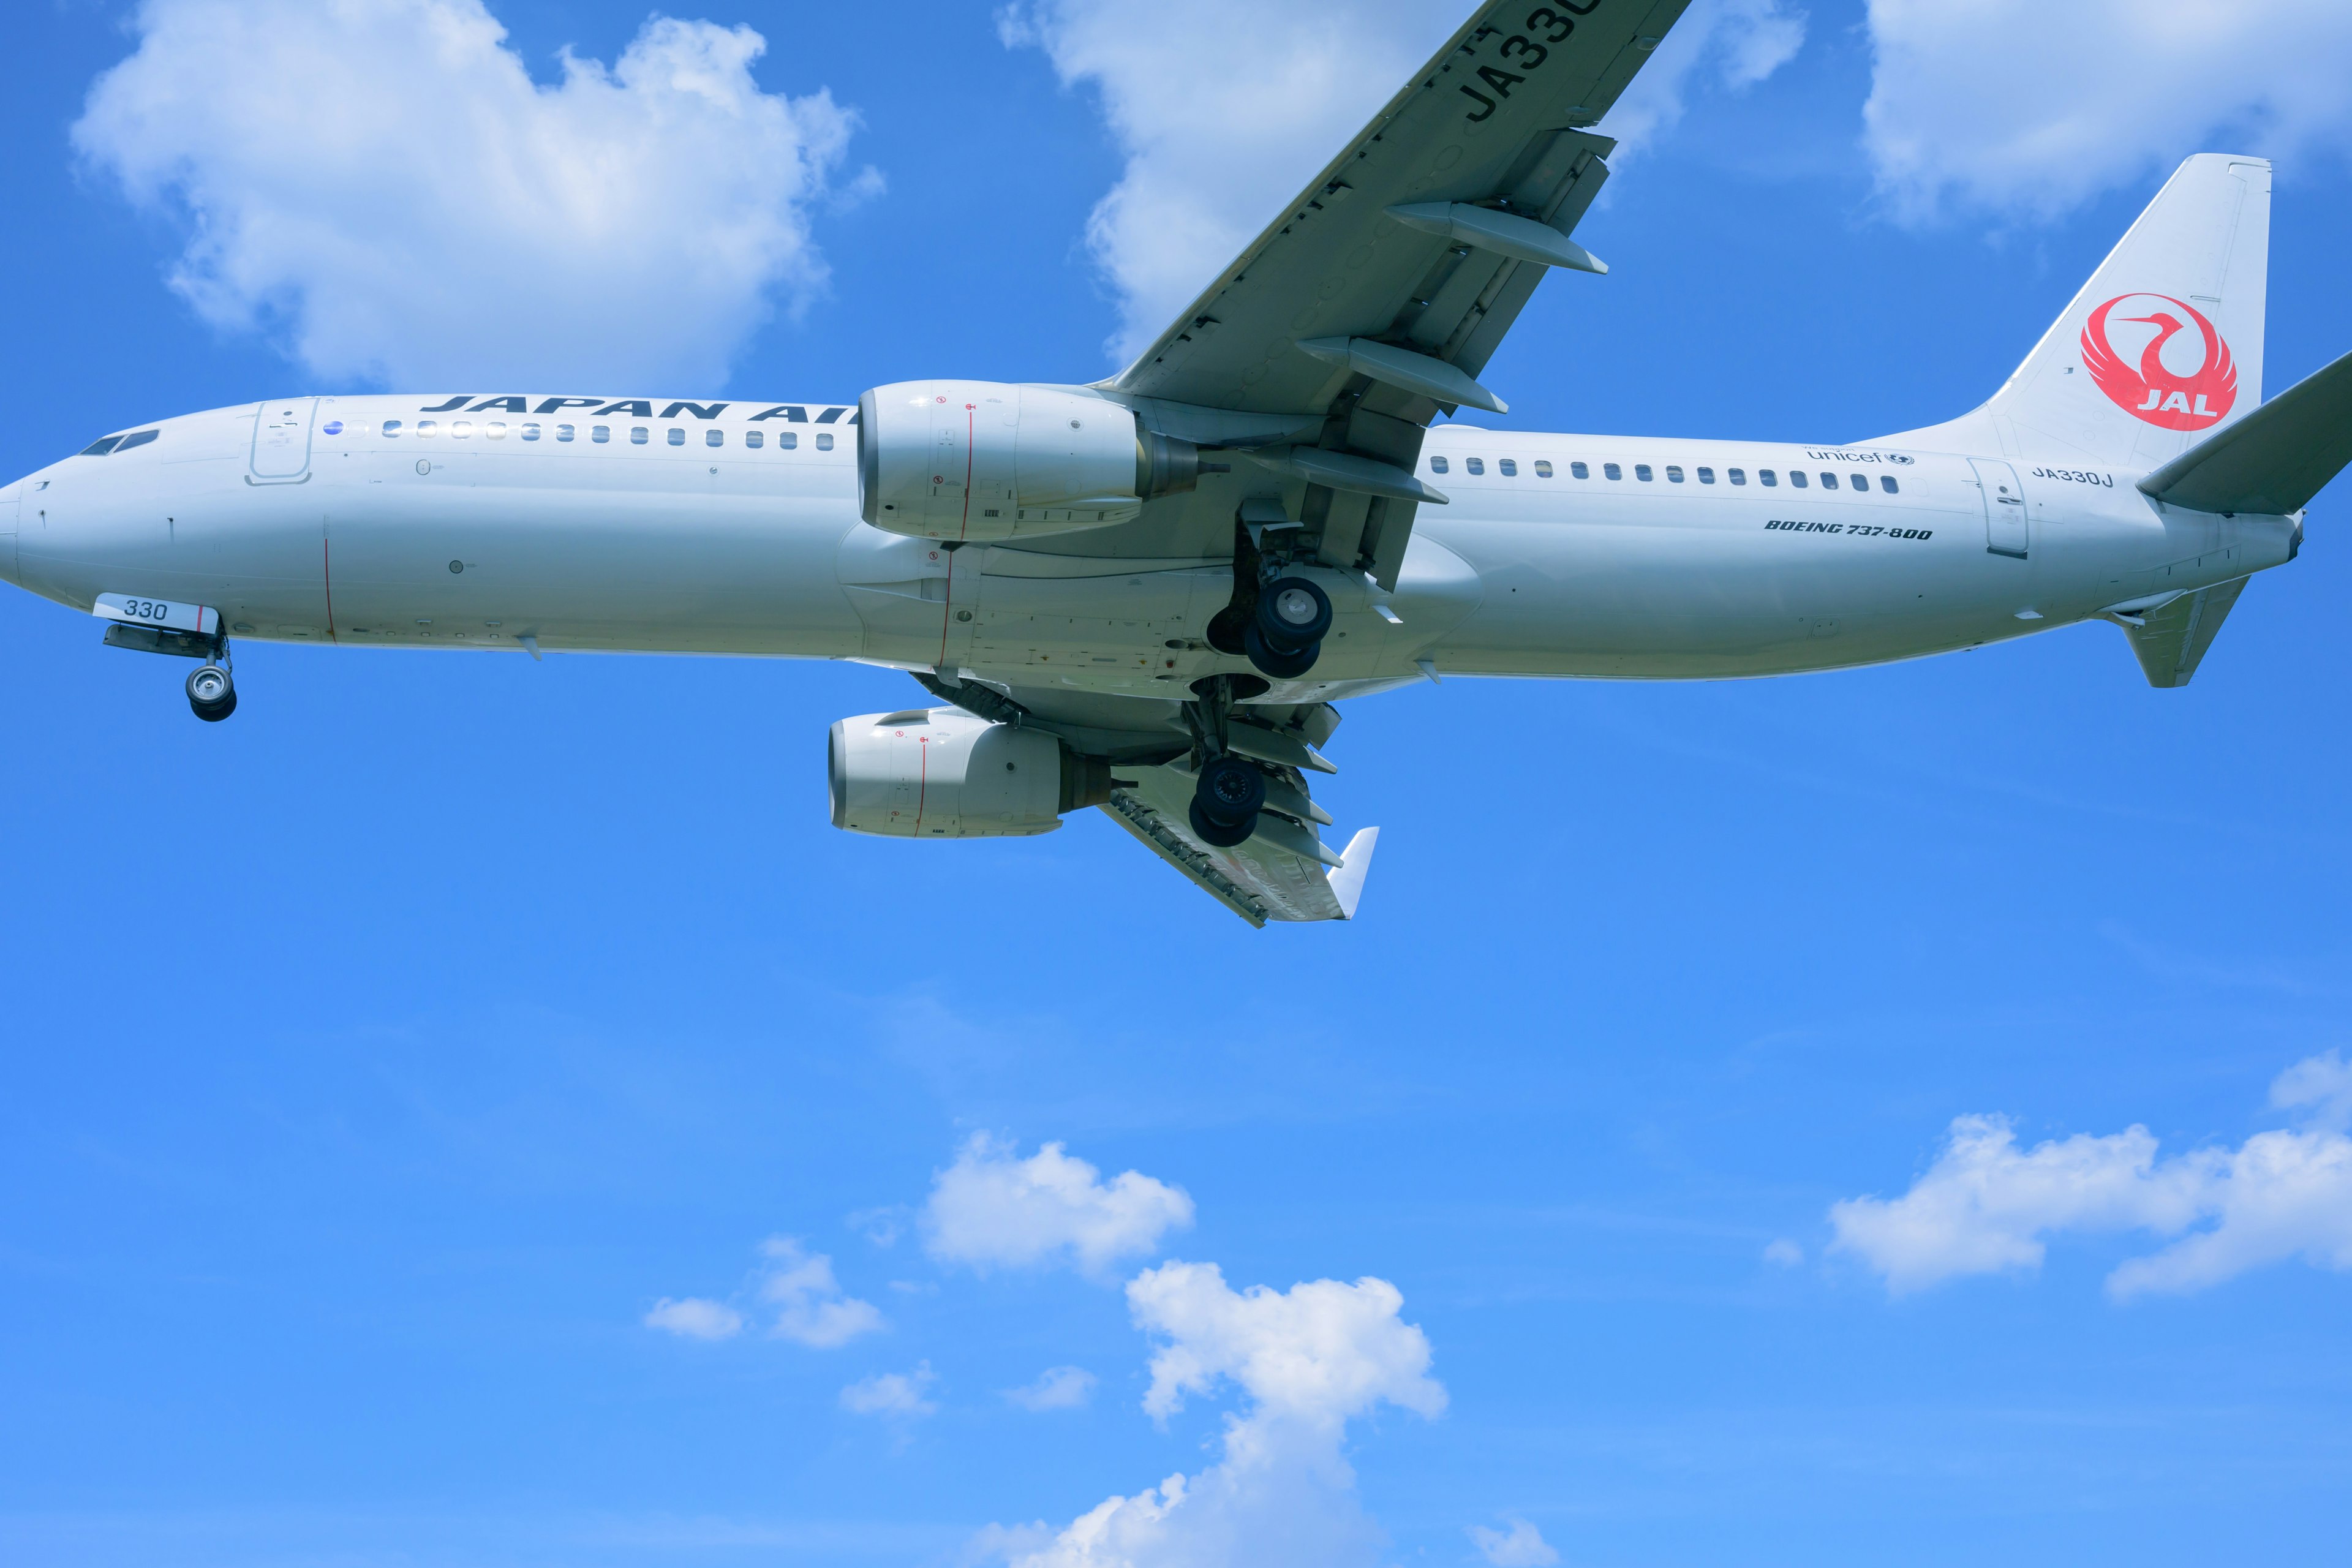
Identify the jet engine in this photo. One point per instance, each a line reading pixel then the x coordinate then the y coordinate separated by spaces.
pixel 960 460
pixel 943 773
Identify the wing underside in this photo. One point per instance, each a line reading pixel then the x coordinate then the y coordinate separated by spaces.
pixel 1375 300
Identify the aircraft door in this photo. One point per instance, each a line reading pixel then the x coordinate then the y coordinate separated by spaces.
pixel 282 441
pixel 2004 504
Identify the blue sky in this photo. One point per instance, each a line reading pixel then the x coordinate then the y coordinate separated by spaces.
pixel 378 1061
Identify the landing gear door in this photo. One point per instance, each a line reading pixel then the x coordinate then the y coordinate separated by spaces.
pixel 282 441
pixel 2004 505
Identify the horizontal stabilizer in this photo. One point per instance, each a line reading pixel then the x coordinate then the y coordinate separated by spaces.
pixel 2273 461
pixel 2171 639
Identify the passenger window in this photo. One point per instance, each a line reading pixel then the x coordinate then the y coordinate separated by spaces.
pixel 823 442
pixel 1673 474
pixel 1887 482
pixel 1438 464
pixel 1476 465
pixel 755 437
pixel 428 427
pixel 601 433
pixel 1510 467
pixel 461 429
pixel 531 432
pixel 1543 470
pixel 677 437
pixel 1737 476
pixel 1859 482
pixel 564 432
pixel 496 430
pixel 1707 476
pixel 1613 471
pixel 714 437
pixel 1580 471
pixel 1767 479
pixel 392 426
pixel 788 439
pixel 1796 479
pixel 638 434
pixel 1829 481
pixel 1642 472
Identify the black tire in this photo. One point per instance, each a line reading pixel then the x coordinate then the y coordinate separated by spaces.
pixel 1229 790
pixel 1219 837
pixel 211 694
pixel 1282 664
pixel 1293 613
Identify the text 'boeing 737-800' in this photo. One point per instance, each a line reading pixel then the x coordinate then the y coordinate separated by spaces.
pixel 1148 595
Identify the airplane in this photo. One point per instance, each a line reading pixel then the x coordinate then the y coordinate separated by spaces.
pixel 1147 594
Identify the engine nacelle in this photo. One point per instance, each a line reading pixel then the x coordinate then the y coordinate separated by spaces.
pixel 943 773
pixel 984 460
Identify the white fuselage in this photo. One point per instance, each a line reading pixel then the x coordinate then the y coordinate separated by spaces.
pixel 305 520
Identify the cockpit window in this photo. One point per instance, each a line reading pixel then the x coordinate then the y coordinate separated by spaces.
pixel 118 443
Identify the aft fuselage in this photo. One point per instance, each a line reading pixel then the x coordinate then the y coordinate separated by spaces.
pixel 733 528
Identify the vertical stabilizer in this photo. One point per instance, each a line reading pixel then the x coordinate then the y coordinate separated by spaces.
pixel 2161 348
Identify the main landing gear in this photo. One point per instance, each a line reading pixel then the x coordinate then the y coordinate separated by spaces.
pixel 1226 801
pixel 1277 618
pixel 1284 637
pixel 1228 790
pixel 211 694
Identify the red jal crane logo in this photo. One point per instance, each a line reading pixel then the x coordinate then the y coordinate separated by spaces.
pixel 2154 390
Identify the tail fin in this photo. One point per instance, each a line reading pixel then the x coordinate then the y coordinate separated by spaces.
pixel 2162 347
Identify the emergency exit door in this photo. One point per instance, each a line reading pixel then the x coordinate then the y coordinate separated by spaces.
pixel 282 441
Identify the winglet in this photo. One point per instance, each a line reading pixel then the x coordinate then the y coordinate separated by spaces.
pixel 1347 881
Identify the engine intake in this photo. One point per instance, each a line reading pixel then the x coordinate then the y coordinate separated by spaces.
pixel 942 773
pixel 977 459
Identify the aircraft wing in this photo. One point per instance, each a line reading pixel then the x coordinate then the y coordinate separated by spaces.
pixel 1375 300
pixel 1282 872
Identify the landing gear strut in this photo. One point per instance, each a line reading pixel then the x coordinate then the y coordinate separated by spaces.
pixel 211 694
pixel 1229 790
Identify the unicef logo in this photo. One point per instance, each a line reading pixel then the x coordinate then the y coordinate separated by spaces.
pixel 1899 457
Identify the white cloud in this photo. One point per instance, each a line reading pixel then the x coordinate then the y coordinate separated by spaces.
pixel 1056 1388
pixel 380 184
pixel 1784 1254
pixel 2022 107
pixel 898 1394
pixel 1985 1206
pixel 1733 43
pixel 1522 1546
pixel 1308 1360
pixel 2321 1084
pixel 695 1318
pixel 1216 139
pixel 811 1307
pixel 993 1207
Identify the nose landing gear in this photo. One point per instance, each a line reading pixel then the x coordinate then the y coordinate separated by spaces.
pixel 212 694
